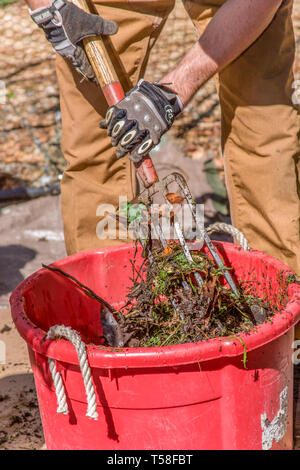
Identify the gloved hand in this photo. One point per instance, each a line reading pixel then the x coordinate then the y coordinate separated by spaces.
pixel 65 26
pixel 137 122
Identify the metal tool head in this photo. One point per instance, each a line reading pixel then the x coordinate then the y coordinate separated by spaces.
pixel 175 191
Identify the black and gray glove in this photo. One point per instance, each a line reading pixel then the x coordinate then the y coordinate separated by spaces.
pixel 65 26
pixel 137 122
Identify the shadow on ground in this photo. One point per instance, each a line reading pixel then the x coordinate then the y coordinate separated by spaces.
pixel 12 259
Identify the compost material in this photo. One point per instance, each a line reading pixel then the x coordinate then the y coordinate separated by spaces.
pixel 165 305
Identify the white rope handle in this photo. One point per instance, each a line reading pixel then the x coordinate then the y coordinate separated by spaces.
pixel 72 336
pixel 227 228
pixel 62 406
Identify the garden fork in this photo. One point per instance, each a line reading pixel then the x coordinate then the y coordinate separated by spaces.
pixel 96 50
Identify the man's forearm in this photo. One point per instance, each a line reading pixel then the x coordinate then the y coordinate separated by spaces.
pixel 236 25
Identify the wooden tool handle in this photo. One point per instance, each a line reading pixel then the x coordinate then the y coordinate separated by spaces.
pixel 112 89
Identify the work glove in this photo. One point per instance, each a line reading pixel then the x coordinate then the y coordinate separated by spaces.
pixel 65 25
pixel 138 121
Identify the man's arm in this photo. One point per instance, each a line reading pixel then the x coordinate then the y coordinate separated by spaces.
pixel 235 26
pixel 137 123
pixel 137 129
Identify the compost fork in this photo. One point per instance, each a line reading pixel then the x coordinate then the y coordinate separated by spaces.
pixel 96 50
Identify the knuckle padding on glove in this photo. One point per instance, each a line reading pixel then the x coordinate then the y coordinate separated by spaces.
pixel 117 116
pixel 138 139
pixel 148 110
pixel 128 125
pixel 143 116
pixel 145 113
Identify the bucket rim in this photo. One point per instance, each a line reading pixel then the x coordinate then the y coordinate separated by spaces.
pixel 166 356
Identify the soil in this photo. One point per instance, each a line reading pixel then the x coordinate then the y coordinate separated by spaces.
pixel 166 306
pixel 20 423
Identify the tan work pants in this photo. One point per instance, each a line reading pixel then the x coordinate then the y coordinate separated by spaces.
pixel 259 130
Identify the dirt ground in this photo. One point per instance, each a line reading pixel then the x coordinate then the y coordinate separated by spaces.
pixel 20 424
pixel 31 232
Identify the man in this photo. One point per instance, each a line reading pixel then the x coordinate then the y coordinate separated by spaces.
pixel 249 43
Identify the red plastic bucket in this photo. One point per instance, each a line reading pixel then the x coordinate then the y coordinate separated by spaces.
pixel 189 396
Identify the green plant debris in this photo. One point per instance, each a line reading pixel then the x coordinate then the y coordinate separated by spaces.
pixel 166 306
pixel 132 211
pixel 244 360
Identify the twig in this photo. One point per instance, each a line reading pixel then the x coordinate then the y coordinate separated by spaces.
pixel 170 336
pixel 86 290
